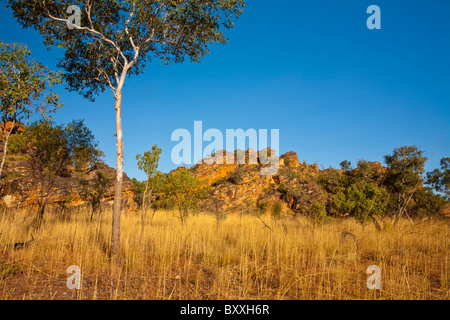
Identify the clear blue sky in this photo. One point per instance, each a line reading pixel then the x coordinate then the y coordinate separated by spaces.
pixel 335 89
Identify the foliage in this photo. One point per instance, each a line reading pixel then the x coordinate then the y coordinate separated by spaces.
pixel 94 190
pixel 149 161
pixel 149 164
pixel 24 88
pixel 184 190
pixel 82 146
pixel 47 150
pixel 263 207
pixel 276 210
pixel 319 213
pixel 45 147
pixel 116 36
pixel 362 201
pixel 346 165
pixel 404 175
pixel 301 195
pixel 440 179
pixel 236 177
pixel 24 84
pixel 332 181
pixel 428 203
pixel 139 188
pixel 115 39
pixel 365 172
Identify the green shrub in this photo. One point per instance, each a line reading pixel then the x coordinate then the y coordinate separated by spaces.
pixel 319 213
pixel 263 207
pixel 362 201
pixel 276 210
pixel 237 176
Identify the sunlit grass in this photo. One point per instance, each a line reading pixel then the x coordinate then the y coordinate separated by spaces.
pixel 238 259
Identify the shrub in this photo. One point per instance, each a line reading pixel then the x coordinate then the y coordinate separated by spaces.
pixel 319 213
pixel 428 203
pixel 236 177
pixel 276 210
pixel 263 207
pixel 362 201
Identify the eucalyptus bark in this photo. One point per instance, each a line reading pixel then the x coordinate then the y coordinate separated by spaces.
pixel 5 147
pixel 115 234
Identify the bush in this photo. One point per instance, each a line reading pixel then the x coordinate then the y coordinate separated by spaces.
pixel 236 177
pixel 276 210
pixel 362 201
pixel 263 207
pixel 319 213
pixel 428 203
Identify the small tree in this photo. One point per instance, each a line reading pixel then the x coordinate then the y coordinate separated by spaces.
pixel 404 176
pixel 149 164
pixel 24 89
pixel 47 150
pixel 440 179
pixel 95 190
pixel 276 210
pixel 139 187
pixel 346 165
pixel 363 202
pixel 82 146
pixel 263 208
pixel 184 190
pixel 318 213
pixel 427 203
pixel 47 154
pixel 236 177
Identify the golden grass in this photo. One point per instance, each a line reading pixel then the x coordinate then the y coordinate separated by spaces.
pixel 239 259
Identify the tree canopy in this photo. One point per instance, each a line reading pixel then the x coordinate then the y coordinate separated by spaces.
pixel 122 36
pixel 25 89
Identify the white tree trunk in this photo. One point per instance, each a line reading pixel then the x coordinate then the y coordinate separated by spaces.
pixel 115 235
pixel 5 147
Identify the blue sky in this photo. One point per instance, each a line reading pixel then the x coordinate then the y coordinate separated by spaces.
pixel 312 69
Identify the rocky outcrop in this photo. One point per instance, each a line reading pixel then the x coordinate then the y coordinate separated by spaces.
pixel 290 159
pixel 18 189
pixel 7 126
pixel 241 187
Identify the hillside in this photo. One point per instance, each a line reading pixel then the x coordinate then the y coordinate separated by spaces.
pixel 17 189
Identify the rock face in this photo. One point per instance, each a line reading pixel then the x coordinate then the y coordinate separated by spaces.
pixel 290 159
pixel 241 187
pixel 18 188
pixel 447 211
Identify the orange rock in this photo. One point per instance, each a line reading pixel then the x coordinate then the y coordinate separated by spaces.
pixel 290 159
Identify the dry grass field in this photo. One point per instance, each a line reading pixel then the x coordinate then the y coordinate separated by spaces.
pixel 240 258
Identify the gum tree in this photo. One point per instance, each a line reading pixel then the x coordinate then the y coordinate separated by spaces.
pixel 184 190
pixel 440 179
pixel 406 166
pixel 110 40
pixel 24 89
pixel 48 150
pixel 149 164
